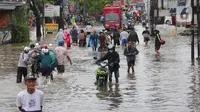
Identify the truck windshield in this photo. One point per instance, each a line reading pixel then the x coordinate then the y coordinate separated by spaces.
pixel 111 17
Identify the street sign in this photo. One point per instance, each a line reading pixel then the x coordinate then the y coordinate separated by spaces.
pixel 49 11
pixel 56 10
pixel 52 11
pixel 181 2
pixel 184 14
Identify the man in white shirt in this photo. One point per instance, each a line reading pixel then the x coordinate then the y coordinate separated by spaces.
pixel 31 99
pixel 124 36
pixel 88 29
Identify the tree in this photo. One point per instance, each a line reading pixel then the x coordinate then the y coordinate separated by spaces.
pixel 21 30
pixel 94 6
pixel 37 6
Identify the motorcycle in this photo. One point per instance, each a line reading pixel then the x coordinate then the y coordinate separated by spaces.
pixel 102 74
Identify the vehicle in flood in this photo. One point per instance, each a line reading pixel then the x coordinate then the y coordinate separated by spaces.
pixel 112 17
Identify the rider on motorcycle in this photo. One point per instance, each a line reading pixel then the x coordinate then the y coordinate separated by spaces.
pixel 113 62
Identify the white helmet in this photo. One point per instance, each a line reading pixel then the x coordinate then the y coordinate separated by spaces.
pixel 26 49
pixel 46 51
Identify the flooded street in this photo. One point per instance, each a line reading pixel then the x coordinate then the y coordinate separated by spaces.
pixel 168 83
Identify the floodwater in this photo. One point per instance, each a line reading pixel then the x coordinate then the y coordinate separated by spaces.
pixel 165 83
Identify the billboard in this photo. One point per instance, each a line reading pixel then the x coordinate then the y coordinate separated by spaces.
pixel 52 11
pixel 51 27
pixel 184 14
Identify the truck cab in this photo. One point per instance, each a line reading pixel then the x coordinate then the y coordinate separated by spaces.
pixel 112 17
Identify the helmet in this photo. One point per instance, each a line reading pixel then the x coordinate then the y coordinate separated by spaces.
pixel 156 31
pixel 111 48
pixel 26 49
pixel 61 43
pixel 45 51
pixel 44 46
pixel 32 46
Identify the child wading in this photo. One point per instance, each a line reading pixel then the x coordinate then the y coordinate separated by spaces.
pixel 31 99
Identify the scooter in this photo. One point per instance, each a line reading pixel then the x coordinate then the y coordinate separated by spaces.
pixel 102 74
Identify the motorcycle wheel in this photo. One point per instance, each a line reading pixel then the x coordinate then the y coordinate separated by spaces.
pixel 101 82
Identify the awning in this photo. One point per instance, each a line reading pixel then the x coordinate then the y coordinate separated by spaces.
pixel 7 7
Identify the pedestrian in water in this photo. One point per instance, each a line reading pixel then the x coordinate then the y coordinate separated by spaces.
pixel 108 38
pixel 133 37
pixel 31 99
pixel 157 41
pixel 23 64
pixel 88 29
pixel 116 37
pixel 113 62
pixel 102 41
pixel 146 35
pixel 82 39
pixel 61 53
pixel 74 33
pixel 46 66
pixel 130 52
pixel 60 35
pixel 68 39
pixel 31 55
pixel 124 37
pixel 93 41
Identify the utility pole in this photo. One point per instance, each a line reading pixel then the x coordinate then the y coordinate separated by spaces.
pixel 157 12
pixel 162 4
pixel 152 16
pixel 61 21
pixel 192 32
pixel 84 10
pixel 198 34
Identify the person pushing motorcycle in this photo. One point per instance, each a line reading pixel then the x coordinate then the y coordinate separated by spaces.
pixel 113 62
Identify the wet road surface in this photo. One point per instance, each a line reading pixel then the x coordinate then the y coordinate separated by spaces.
pixel 165 83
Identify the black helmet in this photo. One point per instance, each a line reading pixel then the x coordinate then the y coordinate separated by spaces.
pixel 29 77
pixel 156 31
pixel 111 48
pixel 32 46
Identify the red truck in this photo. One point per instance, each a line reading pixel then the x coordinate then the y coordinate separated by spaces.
pixel 112 17
pixel 120 3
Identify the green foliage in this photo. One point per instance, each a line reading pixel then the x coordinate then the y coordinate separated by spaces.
pixel 94 5
pixel 21 21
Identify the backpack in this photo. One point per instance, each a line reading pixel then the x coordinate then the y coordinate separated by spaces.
pixel 53 56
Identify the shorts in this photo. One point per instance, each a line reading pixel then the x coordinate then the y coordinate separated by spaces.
pixel 131 63
pixel 146 39
pixel 124 42
pixel 61 68
pixel 75 40
pixel 116 42
pixel 46 71
pixel 157 47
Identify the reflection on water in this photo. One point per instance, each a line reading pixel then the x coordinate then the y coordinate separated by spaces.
pixel 195 91
pixel 9 55
pixel 110 93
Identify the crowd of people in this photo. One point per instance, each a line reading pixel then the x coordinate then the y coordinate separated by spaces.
pixel 44 60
